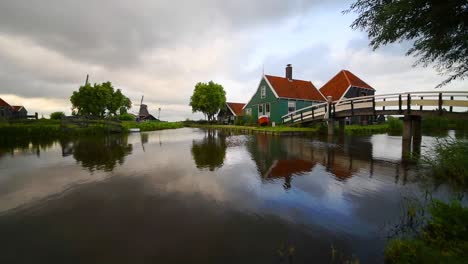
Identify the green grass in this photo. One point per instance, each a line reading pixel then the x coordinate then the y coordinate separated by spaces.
pixel 151 125
pixel 449 163
pixel 444 239
pixel 365 130
pixel 276 129
pixel 438 123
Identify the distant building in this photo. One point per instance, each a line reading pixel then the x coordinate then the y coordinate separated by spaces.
pixel 345 85
pixel 8 112
pixel 277 96
pixel 144 115
pixel 230 113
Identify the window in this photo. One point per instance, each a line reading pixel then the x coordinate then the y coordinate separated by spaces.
pixel 260 110
pixel 363 93
pixel 263 92
pixel 267 108
pixel 248 111
pixel 291 106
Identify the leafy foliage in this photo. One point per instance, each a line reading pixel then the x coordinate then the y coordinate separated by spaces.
pixel 151 125
pixel 449 162
pixel 57 115
pixel 438 29
pixel 395 125
pixel 443 240
pixel 210 152
pixel 208 98
pixel 98 100
pixel 126 117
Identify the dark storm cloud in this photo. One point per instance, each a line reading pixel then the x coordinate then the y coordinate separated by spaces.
pixel 116 33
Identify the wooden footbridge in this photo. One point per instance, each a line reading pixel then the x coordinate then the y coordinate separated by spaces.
pixel 412 105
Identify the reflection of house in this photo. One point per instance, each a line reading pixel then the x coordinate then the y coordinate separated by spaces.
pixel 347 85
pixel 277 96
pixel 287 168
pixel 7 111
pixel 229 114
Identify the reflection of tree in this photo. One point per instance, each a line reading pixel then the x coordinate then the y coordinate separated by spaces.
pixel 102 153
pixel 11 144
pixel 210 152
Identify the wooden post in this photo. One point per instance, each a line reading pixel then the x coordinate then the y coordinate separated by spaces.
pixel 420 107
pixel 399 103
pixel 352 108
pixel 373 104
pixel 451 107
pixel 440 103
pixel 383 108
pixel 301 117
pixel 408 104
pixel 313 115
pixel 333 107
pixel 292 120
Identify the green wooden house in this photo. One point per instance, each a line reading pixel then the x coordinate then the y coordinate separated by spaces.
pixel 277 96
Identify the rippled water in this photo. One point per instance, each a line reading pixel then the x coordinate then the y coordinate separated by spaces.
pixel 196 196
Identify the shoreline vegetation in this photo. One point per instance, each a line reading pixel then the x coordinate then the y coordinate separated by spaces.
pixel 61 127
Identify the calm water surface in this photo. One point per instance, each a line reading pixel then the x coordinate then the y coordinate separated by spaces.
pixel 196 196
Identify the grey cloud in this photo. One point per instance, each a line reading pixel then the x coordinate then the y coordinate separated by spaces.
pixel 117 32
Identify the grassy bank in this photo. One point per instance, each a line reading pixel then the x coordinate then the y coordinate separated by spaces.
pixel 151 126
pixel 274 130
pixel 46 128
pixel 320 128
pixel 444 237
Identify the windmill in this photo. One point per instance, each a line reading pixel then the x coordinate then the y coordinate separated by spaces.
pixel 143 113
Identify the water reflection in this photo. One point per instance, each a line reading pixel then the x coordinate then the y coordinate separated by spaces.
pixel 98 153
pixel 210 151
pixel 287 157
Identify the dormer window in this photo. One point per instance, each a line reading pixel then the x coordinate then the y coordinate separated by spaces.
pixel 262 92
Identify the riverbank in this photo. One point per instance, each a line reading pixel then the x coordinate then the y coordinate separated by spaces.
pixel 288 130
pixel 46 128
pixel 150 126
pixel 258 129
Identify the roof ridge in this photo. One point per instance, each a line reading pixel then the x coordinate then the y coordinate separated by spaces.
pixel 346 76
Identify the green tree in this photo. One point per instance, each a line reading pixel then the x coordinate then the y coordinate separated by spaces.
pixel 437 28
pixel 211 151
pixel 99 100
pixel 208 98
pixel 57 115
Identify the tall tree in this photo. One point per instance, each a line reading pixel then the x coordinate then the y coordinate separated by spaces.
pixel 208 98
pixel 438 29
pixel 98 100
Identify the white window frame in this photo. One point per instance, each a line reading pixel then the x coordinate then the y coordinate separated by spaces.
pixel 248 111
pixel 291 104
pixel 269 109
pixel 263 92
pixel 260 113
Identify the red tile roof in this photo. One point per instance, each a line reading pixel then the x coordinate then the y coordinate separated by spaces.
pixel 236 107
pixel 285 168
pixel 16 108
pixel 294 89
pixel 3 103
pixel 338 85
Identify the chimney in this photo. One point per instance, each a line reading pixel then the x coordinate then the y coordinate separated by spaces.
pixel 289 72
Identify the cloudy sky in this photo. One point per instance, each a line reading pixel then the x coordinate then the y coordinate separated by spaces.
pixel 161 48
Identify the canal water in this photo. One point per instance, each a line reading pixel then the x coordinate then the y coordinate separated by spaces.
pixel 200 196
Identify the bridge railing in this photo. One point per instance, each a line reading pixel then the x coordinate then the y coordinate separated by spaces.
pixel 450 101
pixel 309 113
pixel 398 103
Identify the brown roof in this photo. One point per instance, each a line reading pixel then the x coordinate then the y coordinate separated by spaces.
pixel 16 108
pixel 285 168
pixel 3 103
pixel 294 89
pixel 338 85
pixel 236 107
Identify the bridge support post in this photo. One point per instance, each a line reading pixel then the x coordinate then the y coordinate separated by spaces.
pixel 341 126
pixel 331 126
pixel 411 145
pixel 407 128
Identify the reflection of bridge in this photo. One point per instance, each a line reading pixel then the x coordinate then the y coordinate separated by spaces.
pixel 412 105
